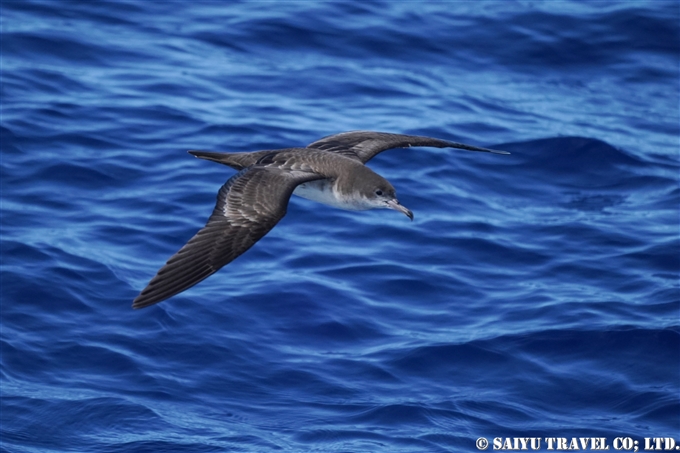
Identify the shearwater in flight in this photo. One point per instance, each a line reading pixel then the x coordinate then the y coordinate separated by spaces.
pixel 330 171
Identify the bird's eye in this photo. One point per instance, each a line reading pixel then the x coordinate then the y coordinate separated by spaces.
pixel 378 192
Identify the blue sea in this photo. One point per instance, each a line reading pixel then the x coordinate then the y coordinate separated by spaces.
pixel 535 295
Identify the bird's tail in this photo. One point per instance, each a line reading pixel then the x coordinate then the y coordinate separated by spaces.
pixel 237 161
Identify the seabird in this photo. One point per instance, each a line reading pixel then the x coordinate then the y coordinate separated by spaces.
pixel 330 171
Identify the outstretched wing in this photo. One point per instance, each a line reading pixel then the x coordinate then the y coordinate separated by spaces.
pixel 364 145
pixel 249 205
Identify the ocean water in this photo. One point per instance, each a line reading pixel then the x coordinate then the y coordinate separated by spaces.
pixel 534 295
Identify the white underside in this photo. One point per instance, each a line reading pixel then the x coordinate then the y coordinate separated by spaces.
pixel 322 191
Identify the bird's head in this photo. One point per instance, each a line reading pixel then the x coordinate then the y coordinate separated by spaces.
pixel 375 192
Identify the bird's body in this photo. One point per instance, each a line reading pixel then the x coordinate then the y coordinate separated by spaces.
pixel 330 171
pixel 322 192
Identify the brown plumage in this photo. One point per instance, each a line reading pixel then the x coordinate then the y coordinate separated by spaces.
pixel 252 202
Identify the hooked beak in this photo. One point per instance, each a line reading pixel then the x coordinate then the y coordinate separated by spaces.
pixel 394 204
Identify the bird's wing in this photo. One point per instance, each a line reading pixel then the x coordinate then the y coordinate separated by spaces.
pixel 364 145
pixel 249 205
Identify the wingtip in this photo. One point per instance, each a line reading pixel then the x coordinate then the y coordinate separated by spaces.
pixel 136 305
pixel 487 150
pixel 143 302
pixel 475 148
